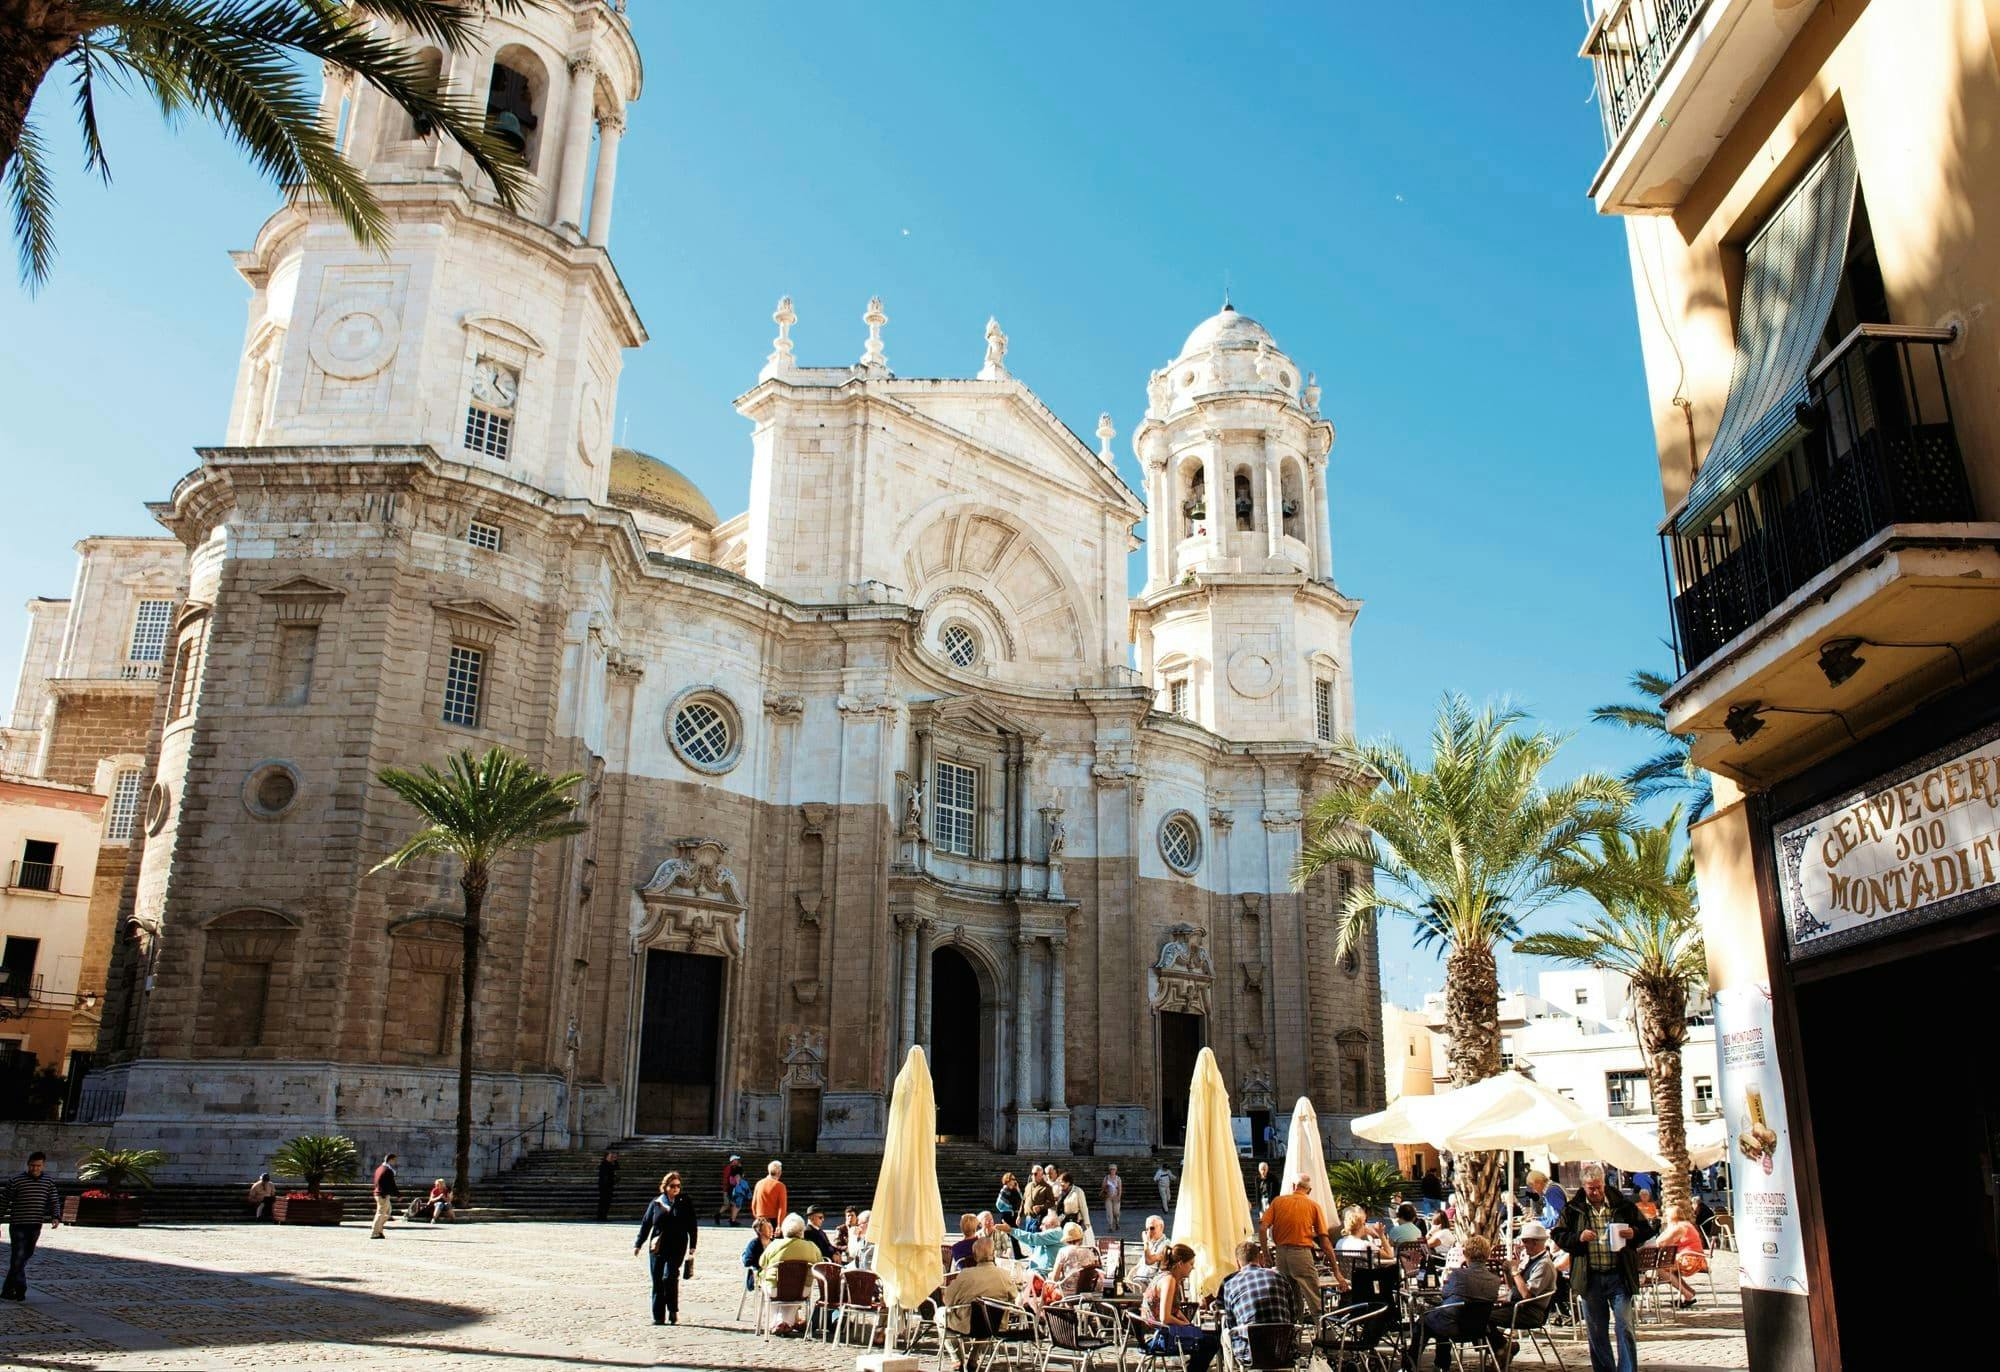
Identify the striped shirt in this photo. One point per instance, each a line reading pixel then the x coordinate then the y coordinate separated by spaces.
pixel 33 1200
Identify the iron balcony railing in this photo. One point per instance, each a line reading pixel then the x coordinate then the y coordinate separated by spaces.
pixel 1630 45
pixel 1626 1109
pixel 1879 448
pixel 34 876
pixel 22 988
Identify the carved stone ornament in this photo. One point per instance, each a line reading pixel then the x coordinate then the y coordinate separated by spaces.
pixel 814 815
pixel 784 706
pixel 809 908
pixel 806 990
pixel 1183 975
pixel 1253 905
pixel 1255 1092
pixel 693 902
pixel 805 1059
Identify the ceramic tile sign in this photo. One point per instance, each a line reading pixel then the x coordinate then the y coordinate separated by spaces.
pixel 1918 844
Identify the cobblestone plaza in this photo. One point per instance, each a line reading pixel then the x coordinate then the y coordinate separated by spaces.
pixel 493 1296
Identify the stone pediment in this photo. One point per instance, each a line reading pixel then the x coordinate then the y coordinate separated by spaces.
pixel 692 903
pixel 302 588
pixel 1183 975
pixel 482 611
pixel 972 714
pixel 1060 450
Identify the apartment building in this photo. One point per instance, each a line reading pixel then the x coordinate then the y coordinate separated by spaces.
pixel 1807 193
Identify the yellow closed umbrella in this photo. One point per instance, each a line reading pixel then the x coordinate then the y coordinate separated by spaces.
pixel 907 1219
pixel 1212 1215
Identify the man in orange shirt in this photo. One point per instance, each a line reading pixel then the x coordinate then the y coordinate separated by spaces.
pixel 770 1201
pixel 1293 1225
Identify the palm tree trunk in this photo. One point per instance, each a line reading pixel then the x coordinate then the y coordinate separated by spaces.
pixel 473 884
pixel 1663 1029
pixel 1472 1029
pixel 33 38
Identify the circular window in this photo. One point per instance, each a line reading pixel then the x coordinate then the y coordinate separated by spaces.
pixel 1180 842
pixel 703 729
pixel 959 645
pixel 159 802
pixel 270 790
pixel 1285 380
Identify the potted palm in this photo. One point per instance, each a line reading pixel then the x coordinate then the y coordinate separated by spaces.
pixel 313 1158
pixel 1365 1182
pixel 113 1175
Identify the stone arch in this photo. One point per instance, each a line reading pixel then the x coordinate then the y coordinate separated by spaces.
pixel 1292 492
pixel 421 1009
pixel 246 967
pixel 963 543
pixel 398 127
pixel 519 85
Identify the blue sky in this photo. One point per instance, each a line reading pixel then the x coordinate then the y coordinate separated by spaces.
pixel 1396 191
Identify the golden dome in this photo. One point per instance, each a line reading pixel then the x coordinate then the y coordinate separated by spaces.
pixel 640 482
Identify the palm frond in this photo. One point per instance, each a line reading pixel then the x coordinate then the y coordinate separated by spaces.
pixel 32 198
pixel 478 808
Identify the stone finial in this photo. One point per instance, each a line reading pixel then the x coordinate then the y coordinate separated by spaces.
pixel 871 356
pixel 1312 392
pixel 1158 390
pixel 1267 365
pixel 1106 431
pixel 780 360
pixel 995 368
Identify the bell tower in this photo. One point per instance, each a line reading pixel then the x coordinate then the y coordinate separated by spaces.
pixel 494 336
pixel 1239 628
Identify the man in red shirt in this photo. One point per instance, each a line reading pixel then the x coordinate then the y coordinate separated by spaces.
pixel 770 1200
pixel 385 1195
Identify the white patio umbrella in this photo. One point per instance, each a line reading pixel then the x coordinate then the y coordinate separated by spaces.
pixel 1504 1113
pixel 1304 1157
pixel 1708 1143
pixel 907 1219
pixel 1212 1213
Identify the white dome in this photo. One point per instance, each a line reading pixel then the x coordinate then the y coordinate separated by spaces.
pixel 1226 329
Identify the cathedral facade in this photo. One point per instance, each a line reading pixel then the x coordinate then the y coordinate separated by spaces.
pixel 891 757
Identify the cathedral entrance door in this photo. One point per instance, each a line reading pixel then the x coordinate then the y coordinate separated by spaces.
pixel 1180 1045
pixel 680 1041
pixel 956 1069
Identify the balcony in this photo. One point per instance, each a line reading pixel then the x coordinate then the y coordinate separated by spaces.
pixel 1880 448
pixel 35 876
pixel 139 671
pixel 1629 1109
pixel 1673 76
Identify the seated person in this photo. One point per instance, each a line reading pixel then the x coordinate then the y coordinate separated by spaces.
pixel 978 1280
pixel 753 1252
pixel 1073 1259
pixel 1680 1237
pixel 1361 1238
pixel 1168 1330
pixel 849 1222
pixel 1153 1246
pixel 1647 1206
pixel 961 1251
pixel 787 1317
pixel 1533 1272
pixel 1255 1294
pixel 817 1236
pixel 1406 1229
pixel 1039 1248
pixel 1002 1235
pixel 861 1248
pixel 1471 1280
pixel 438 1203
pixel 263 1195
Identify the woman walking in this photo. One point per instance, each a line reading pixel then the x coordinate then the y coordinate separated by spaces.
pixel 668 1231
pixel 735 1190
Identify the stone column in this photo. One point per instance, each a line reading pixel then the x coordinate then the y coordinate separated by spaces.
pixel 576 141
pixel 610 130
pixel 1058 1087
pixel 1159 525
pixel 1322 527
pixel 1023 813
pixel 330 95
pixel 1274 499
pixel 908 1026
pixel 926 932
pixel 1024 1028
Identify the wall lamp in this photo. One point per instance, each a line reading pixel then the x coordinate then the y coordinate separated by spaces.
pixel 1745 719
pixel 1839 658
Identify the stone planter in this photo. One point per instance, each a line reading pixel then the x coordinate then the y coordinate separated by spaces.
pixel 306 1210
pixel 108 1212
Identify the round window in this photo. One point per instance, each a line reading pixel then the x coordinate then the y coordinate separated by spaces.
pixel 703 729
pixel 1180 842
pixel 159 802
pixel 270 790
pixel 959 645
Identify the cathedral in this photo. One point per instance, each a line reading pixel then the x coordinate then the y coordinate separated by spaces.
pixel 893 756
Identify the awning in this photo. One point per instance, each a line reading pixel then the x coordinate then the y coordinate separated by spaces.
pixel 1791 272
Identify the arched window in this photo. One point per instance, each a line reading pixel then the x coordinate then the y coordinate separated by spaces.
pixel 420 1015
pixel 246 969
pixel 1194 509
pixel 1294 506
pixel 521 89
pixel 1246 501
pixel 397 125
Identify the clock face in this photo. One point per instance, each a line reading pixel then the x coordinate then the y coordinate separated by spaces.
pixel 495 385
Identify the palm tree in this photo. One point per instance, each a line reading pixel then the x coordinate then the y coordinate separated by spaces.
pixel 1466 849
pixel 316 1158
pixel 1670 771
pixel 243 64
pixel 478 810
pixel 1648 932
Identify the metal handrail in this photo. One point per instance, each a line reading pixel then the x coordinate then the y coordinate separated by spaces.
pixel 35 876
pixel 1896 333
pixel 542 1124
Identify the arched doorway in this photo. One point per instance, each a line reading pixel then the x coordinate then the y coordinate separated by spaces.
pixel 957 1056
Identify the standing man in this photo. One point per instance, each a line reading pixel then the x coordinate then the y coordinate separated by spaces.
pixel 607 1183
pixel 1601 1231
pixel 1164 1179
pixel 1267 1187
pixel 1039 1198
pixel 32 1201
pixel 1292 1224
pixel 385 1194
pixel 1112 1188
pixel 1552 1197
pixel 670 1224
pixel 770 1201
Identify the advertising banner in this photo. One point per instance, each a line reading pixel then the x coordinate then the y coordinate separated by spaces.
pixel 1917 844
pixel 1760 1145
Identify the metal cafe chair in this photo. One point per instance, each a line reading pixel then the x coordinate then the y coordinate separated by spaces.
pixel 792 1285
pixel 1526 1323
pixel 1352 1337
pixel 860 1299
pixel 826 1295
pixel 1080 1331
pixel 1274 1347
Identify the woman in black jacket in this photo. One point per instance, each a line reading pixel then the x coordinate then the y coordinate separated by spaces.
pixel 671 1224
